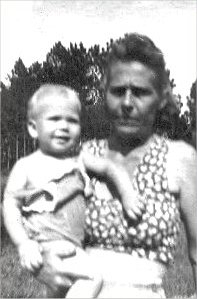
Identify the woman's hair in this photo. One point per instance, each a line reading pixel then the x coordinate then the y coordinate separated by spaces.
pixel 47 89
pixel 137 47
pixel 140 48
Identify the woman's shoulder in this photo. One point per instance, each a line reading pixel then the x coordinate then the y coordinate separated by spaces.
pixel 181 163
pixel 181 151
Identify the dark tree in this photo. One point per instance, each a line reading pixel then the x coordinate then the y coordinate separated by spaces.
pixel 191 103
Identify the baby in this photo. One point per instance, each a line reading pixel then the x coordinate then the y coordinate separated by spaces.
pixel 55 178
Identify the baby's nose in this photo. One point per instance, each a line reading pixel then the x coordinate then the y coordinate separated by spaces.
pixel 63 124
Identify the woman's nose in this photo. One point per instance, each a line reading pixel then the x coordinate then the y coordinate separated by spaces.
pixel 127 103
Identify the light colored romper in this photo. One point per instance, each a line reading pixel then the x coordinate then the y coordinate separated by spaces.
pixel 45 219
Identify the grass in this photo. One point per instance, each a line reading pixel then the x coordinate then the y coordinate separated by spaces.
pixel 178 281
pixel 17 283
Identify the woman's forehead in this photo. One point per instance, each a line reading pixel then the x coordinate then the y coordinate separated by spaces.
pixel 130 72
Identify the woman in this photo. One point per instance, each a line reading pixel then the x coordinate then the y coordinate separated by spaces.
pixel 163 171
pixel 134 255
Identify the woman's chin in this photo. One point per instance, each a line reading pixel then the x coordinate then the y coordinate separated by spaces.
pixel 132 132
pixel 127 131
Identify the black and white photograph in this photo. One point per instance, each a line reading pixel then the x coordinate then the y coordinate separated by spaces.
pixel 98 149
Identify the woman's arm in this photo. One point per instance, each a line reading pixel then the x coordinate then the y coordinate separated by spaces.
pixel 188 199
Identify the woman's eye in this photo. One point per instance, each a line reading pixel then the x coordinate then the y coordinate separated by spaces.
pixel 139 92
pixel 118 91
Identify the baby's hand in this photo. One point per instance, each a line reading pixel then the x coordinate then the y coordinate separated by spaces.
pixel 133 206
pixel 30 255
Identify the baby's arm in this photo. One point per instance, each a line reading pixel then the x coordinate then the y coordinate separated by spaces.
pixel 28 249
pixel 119 176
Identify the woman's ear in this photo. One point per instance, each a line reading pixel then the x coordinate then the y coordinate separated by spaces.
pixel 168 101
pixel 31 126
pixel 163 103
pixel 165 98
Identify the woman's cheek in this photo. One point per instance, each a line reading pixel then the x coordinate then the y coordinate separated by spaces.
pixel 113 106
pixel 149 115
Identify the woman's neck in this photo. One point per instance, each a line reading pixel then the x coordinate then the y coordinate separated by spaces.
pixel 127 145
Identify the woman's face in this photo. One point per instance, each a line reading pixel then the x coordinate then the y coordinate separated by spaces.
pixel 132 99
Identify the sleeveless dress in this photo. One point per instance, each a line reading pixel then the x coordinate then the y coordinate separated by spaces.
pixel 154 236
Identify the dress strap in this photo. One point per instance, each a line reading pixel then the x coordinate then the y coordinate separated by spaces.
pixel 150 173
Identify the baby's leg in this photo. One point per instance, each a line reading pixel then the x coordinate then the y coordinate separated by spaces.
pixel 51 293
pixel 85 288
pixel 50 274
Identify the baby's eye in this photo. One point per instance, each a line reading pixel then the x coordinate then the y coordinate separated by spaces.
pixel 54 118
pixel 118 91
pixel 73 120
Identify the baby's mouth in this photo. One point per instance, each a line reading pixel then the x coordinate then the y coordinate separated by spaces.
pixel 62 138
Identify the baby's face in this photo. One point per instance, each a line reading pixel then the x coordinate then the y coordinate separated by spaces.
pixel 58 124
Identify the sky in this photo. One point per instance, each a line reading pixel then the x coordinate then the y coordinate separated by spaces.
pixel 29 29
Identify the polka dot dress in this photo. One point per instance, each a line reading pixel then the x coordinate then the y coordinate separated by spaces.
pixel 155 234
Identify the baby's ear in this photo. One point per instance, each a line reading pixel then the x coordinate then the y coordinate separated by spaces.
pixel 31 126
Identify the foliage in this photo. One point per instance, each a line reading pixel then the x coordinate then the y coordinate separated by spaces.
pixel 191 102
pixel 77 67
pixel 190 115
pixel 183 125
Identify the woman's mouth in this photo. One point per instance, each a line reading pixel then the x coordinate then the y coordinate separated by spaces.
pixel 127 122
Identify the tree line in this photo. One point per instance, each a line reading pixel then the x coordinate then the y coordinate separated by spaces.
pixel 81 69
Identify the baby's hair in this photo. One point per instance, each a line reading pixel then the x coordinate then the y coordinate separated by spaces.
pixel 137 47
pixel 47 89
